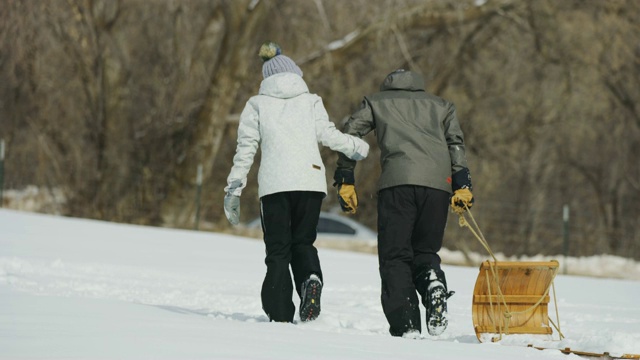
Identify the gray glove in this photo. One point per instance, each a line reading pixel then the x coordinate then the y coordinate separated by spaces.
pixel 232 208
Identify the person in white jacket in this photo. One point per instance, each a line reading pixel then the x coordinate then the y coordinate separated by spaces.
pixel 287 122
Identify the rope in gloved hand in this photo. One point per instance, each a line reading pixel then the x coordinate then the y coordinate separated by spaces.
pixel 475 229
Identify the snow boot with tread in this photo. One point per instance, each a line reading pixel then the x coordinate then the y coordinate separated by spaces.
pixel 310 303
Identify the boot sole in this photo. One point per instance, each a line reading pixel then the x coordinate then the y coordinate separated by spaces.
pixel 436 314
pixel 310 307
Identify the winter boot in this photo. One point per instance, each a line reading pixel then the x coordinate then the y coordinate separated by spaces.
pixel 434 299
pixel 310 303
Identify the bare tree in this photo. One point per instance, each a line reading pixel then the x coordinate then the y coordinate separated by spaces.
pixel 118 102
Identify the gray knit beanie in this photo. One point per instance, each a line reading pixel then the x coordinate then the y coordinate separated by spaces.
pixel 275 62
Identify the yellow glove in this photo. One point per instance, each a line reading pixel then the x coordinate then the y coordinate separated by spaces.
pixel 460 199
pixel 348 198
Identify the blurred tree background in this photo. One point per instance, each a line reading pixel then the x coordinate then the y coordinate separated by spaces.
pixel 116 103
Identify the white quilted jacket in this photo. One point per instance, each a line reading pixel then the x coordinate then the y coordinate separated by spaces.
pixel 287 123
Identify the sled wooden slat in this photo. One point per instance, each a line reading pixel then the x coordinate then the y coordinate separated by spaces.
pixel 514 288
pixel 510 299
pixel 516 330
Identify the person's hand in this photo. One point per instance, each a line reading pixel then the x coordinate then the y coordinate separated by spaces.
pixel 462 197
pixel 232 208
pixel 461 200
pixel 348 198
pixel 345 183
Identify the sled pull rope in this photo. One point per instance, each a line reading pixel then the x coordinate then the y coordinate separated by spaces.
pixel 507 314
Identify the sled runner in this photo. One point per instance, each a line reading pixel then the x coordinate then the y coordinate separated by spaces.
pixel 513 298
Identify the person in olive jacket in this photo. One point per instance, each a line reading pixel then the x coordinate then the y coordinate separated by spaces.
pixel 424 170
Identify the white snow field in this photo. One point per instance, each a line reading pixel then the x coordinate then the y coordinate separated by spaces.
pixel 83 289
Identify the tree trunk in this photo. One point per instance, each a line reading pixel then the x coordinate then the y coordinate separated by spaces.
pixel 237 31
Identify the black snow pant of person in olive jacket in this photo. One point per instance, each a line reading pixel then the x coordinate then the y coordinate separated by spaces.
pixel 289 222
pixel 411 224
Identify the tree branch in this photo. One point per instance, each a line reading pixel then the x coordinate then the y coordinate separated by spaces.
pixel 418 17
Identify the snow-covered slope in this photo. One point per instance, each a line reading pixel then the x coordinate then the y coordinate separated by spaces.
pixel 72 288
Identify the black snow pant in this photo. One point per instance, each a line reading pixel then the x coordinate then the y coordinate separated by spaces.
pixel 289 223
pixel 411 224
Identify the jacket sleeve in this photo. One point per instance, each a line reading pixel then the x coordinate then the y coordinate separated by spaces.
pixel 327 134
pixel 359 124
pixel 248 142
pixel 455 141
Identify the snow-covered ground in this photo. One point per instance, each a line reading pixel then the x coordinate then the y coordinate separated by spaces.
pixel 72 288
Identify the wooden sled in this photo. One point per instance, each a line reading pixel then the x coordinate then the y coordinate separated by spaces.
pixel 512 298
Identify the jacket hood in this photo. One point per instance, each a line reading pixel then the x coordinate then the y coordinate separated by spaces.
pixel 403 80
pixel 284 86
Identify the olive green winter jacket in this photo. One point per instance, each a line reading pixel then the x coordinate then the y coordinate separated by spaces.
pixel 419 136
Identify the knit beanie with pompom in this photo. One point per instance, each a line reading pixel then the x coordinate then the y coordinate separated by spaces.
pixel 275 62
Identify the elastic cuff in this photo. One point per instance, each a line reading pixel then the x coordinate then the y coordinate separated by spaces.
pixel 343 176
pixel 461 179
